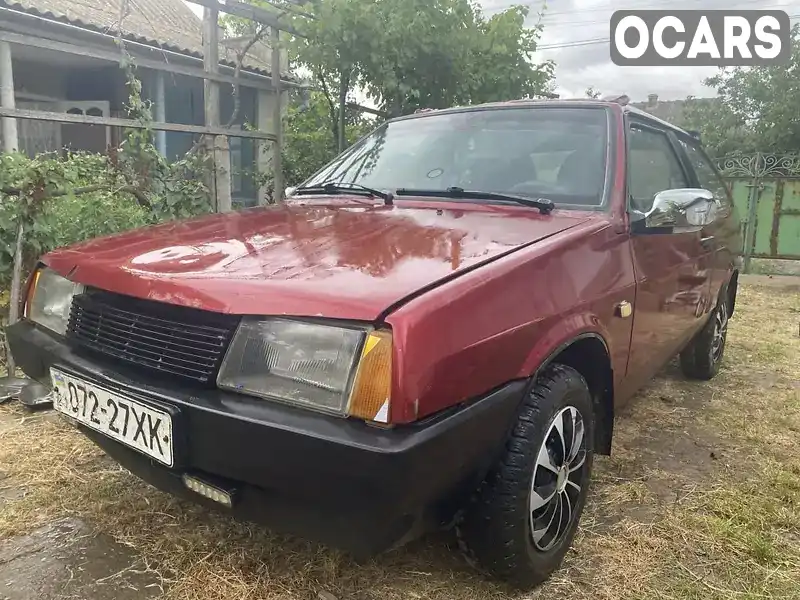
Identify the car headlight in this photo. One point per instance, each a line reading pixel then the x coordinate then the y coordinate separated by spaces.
pixel 333 369
pixel 50 299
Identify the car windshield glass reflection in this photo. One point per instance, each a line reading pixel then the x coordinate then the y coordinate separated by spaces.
pixel 555 153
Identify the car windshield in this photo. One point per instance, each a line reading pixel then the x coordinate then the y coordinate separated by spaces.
pixel 539 152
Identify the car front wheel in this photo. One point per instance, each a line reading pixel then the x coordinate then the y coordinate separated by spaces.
pixel 521 521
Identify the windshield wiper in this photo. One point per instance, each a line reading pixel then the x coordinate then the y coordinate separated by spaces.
pixel 544 205
pixel 345 187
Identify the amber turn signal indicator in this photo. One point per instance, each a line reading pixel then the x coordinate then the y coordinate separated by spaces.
pixel 624 309
pixel 370 396
pixel 30 292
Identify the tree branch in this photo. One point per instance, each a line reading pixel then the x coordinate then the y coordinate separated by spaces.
pixel 331 106
pixel 344 87
pixel 140 196
pixel 240 56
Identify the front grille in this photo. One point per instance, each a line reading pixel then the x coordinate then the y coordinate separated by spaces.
pixel 161 338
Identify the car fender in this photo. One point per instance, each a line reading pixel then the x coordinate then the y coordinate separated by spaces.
pixel 558 340
pixel 560 335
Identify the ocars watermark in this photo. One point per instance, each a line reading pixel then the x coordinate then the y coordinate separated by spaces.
pixel 722 38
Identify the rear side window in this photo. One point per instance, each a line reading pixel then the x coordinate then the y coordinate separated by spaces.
pixel 653 167
pixel 707 175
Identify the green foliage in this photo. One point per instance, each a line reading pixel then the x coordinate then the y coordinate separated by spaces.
pixel 413 54
pixel 758 108
pixel 499 65
pixel 76 217
pixel 308 141
pixel 592 93
pixel 407 55
pixel 53 214
pixel 175 189
pixel 724 132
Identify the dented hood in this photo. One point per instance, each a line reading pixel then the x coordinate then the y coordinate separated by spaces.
pixel 347 260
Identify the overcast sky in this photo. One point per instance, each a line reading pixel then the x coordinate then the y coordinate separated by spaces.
pixel 581 66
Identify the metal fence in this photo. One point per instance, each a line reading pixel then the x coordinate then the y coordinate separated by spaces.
pixel 766 191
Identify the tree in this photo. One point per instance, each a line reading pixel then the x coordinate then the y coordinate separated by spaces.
pixel 592 93
pixel 500 66
pixel 308 142
pixel 440 53
pixel 723 131
pixel 412 54
pixel 338 37
pixel 758 109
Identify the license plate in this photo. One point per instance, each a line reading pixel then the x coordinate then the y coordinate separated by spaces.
pixel 123 419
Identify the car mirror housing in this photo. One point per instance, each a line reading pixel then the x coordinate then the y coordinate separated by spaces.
pixel 690 207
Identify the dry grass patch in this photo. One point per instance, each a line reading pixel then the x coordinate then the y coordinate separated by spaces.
pixel 701 499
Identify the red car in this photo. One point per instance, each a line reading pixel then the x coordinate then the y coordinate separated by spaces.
pixel 436 329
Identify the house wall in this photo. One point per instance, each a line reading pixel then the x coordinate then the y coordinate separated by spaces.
pixel 105 83
pixel 39 79
pixel 43 86
pixel 34 84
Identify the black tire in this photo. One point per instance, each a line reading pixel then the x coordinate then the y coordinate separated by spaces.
pixel 495 532
pixel 703 356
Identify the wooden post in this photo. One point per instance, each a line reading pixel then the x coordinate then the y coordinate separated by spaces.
pixel 222 172
pixel 211 65
pixel 220 151
pixel 10 137
pixel 277 156
pixel 160 112
pixel 265 147
pixel 16 285
pixel 11 144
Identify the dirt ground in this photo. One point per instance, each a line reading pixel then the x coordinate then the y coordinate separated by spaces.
pixel 700 499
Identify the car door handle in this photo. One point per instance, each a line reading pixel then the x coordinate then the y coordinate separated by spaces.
pixel 707 242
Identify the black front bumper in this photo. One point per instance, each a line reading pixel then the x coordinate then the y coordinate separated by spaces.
pixel 337 481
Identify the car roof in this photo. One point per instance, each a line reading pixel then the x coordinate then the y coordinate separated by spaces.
pixel 549 103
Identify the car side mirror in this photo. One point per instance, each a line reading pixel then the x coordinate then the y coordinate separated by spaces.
pixel 289 191
pixel 691 207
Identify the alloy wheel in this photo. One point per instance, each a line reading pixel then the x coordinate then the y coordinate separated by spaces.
pixel 558 479
pixel 720 331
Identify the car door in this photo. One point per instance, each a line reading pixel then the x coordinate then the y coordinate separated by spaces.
pixel 721 235
pixel 671 265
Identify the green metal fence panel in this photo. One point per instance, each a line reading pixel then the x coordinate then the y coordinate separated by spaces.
pixel 741 190
pixel 766 192
pixel 762 224
pixel 787 214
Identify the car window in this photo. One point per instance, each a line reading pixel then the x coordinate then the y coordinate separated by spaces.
pixel 653 167
pixel 707 174
pixel 548 164
pixel 556 153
